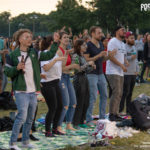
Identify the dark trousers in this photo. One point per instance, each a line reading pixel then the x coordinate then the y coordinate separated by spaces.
pixel 110 90
pixel 140 56
pixel 129 83
pixel 52 94
pixel 143 70
pixel 81 87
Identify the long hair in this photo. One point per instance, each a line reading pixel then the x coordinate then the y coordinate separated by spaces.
pixel 77 46
pixel 148 34
pixel 46 42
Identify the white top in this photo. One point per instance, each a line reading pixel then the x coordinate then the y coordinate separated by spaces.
pixel 54 72
pixel 133 63
pixel 139 45
pixel 14 43
pixel 112 68
pixel 28 75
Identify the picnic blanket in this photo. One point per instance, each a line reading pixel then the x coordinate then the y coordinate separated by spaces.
pixel 76 138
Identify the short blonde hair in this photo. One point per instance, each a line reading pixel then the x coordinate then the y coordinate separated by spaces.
pixel 19 33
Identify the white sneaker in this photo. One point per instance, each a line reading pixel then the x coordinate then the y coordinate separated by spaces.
pixel 14 147
pixel 28 146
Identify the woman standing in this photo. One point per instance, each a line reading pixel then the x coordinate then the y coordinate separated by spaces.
pixel 80 82
pixel 52 70
pixel 67 90
pixel 146 58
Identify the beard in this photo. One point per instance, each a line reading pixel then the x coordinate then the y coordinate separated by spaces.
pixel 131 43
pixel 122 37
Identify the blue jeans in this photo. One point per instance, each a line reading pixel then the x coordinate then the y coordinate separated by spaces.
pixel 4 82
pixel 97 83
pixel 68 99
pixel 26 106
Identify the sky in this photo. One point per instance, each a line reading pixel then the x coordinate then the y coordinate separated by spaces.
pixel 16 7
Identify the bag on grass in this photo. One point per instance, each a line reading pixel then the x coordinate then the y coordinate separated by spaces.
pixel 140 112
pixel 7 101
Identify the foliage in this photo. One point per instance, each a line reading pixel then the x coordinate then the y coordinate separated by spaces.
pixel 71 13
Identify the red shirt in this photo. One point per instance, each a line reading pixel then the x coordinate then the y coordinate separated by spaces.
pixel 104 64
pixel 69 57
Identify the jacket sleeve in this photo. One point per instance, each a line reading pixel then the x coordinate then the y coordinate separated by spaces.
pixel 49 54
pixel 10 70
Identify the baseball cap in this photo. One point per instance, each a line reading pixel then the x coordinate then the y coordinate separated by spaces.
pixel 129 33
pixel 117 28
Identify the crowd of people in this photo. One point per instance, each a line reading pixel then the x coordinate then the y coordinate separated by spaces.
pixel 70 71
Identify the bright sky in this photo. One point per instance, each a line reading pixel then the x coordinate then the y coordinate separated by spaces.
pixel 16 7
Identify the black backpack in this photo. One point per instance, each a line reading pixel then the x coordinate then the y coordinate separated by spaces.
pixel 140 112
pixel 7 101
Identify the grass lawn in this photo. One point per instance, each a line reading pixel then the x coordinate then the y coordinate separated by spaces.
pixel 132 143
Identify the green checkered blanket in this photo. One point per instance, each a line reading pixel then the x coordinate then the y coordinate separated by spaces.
pixel 75 138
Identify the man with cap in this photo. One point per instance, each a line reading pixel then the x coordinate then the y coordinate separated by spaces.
pixel 114 71
pixel 132 71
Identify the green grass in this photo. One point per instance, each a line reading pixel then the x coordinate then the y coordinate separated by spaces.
pixel 131 143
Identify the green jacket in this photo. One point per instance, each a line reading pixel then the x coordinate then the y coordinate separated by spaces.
pixel 18 80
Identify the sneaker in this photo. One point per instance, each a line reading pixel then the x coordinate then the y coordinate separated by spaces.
pixel 119 118
pixel 33 138
pixel 14 147
pixel 49 134
pixel 142 81
pixel 137 84
pixel 122 114
pixel 113 117
pixel 55 131
pixel 19 139
pixel 28 146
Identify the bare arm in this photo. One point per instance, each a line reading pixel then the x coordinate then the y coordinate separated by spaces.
pixel 70 32
pixel 48 66
pixel 115 61
pixel 69 67
pixel 72 66
pixel 110 54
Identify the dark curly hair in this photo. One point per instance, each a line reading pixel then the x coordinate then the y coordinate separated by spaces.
pixel 62 33
pixel 46 42
pixel 77 46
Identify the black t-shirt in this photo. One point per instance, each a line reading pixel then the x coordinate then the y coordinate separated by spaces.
pixel 92 50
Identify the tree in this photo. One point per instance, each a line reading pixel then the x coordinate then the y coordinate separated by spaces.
pixel 111 13
pixel 70 14
pixel 4 23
